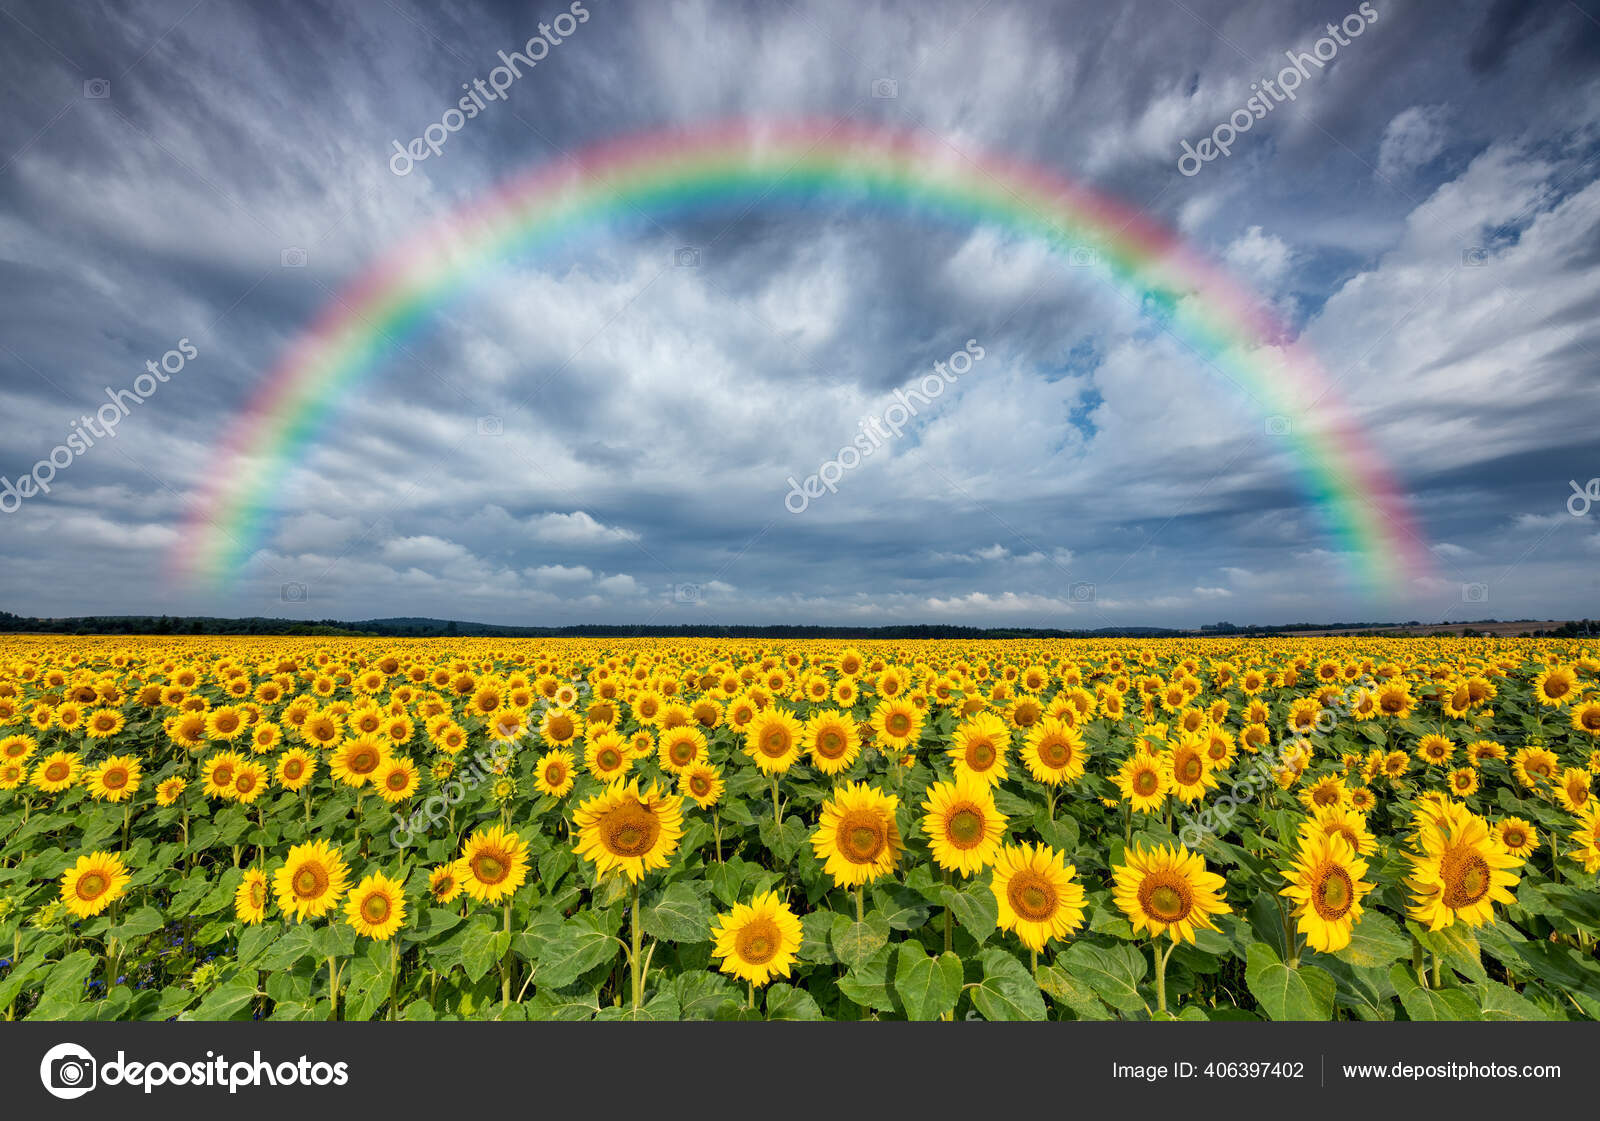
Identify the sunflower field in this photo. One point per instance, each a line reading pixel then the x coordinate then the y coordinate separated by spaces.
pixel 1206 829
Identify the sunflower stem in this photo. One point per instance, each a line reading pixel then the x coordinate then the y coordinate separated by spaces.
pixel 1438 971
pixel 333 988
pixel 1417 963
pixel 716 832
pixel 505 962
pixel 634 960
pixel 948 931
pixel 861 914
pixel 777 813
pixel 1161 972
pixel 752 1003
pixel 394 977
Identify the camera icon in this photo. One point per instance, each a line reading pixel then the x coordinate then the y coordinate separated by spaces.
pixel 1474 593
pixel 491 426
pixel 1474 257
pixel 293 592
pixel 292 258
pixel 688 257
pixel 97 89
pixel 1083 257
pixel 1278 426
pixel 1081 592
pixel 686 593
pixel 68 1071
pixel 885 89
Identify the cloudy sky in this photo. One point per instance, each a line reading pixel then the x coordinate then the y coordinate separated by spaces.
pixel 1425 214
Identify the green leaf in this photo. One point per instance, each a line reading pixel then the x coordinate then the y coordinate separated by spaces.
pixel 680 914
pixel 870 984
pixel 785 1002
pixel 1431 1004
pixel 580 945
pixel 1007 991
pixel 974 907
pixel 855 942
pixel 226 1001
pixel 1069 992
pixel 928 987
pixel 1501 1002
pixel 1114 974
pixel 1286 993
pixel 1376 941
pixel 146 920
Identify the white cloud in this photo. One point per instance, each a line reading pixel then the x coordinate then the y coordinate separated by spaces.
pixel 1411 139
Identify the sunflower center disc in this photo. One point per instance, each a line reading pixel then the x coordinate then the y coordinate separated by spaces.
pixel 309 882
pixel 965 827
pixel 1031 896
pixel 1466 878
pixel 631 830
pixel 488 868
pixel 91 886
pixel 1335 894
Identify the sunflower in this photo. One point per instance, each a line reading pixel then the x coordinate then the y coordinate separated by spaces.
pixel 444 882
pixel 1362 800
pixel 358 759
pixel 1587 838
pixel 14 749
pixel 830 739
pixel 1586 718
pixel 12 774
pixel 607 755
pixel 103 723
pixel 1054 752
pixel 628 829
pixel 169 790
pixel 250 897
pixel 1463 782
pixel 249 780
pixel 773 740
pixel 1534 766
pixel 264 737
pixel 1435 749
pixel 980 747
pixel 296 768
pixel 560 726
pixel 681 747
pixel 1516 836
pixel 1189 769
pixel 1168 890
pixel 1396 764
pixel 218 772
pixel 1573 789
pixel 57 771
pixel 962 825
pixel 1327 887
pixel 1144 782
pixel 495 864
pixel 376 906
pixel 896 723
pixel 1480 751
pixel 1395 700
pixel 1556 686
pixel 95 882
pixel 1036 894
pixel 311 880
pixel 1342 821
pixel 856 836
pixel 554 774
pixel 757 941
pixel 702 782
pixel 116 779
pixel 1459 872
pixel 395 780
pixel 225 722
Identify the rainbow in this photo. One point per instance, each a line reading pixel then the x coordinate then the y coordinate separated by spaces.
pixel 746 164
